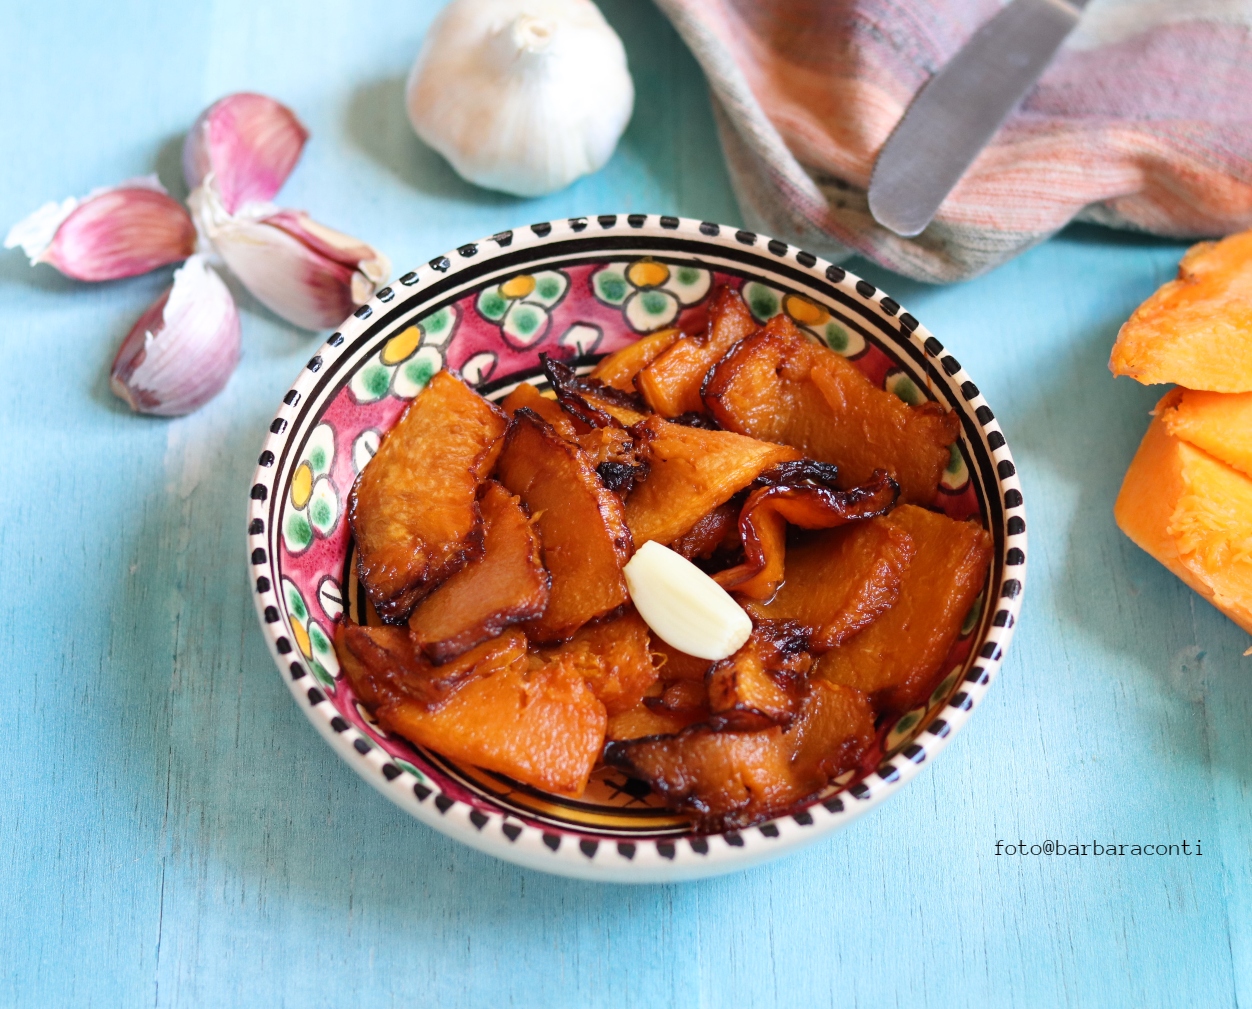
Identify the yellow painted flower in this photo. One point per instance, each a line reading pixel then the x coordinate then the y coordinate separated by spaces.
pixel 650 293
pixel 521 306
pixel 311 637
pixel 406 362
pixel 766 302
pixel 312 502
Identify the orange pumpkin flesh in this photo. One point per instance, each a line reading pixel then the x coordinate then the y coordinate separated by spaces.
pixel 759 685
pixel 1220 423
pixel 413 509
pixel 615 660
pixel 620 368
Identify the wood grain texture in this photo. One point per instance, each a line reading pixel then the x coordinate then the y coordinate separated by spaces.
pixel 173 833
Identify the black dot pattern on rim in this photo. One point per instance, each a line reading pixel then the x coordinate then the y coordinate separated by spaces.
pixel 283 646
pixel 278 426
pixel 666 849
pixel 1005 468
pixel 589 848
pixel 315 362
pixel 833 805
pixel 908 323
pixel 804 819
pixel 950 364
pixel 989 650
pixel 271 614
pixel 467 251
pixel 860 790
pixel 835 274
pixel 776 247
pixel 984 415
pixel 1016 525
pixel 443 803
pixel 364 312
pixel 995 440
pixel 1014 557
pixel 1003 618
pixel 385 295
pixel 543 229
pixel 338 724
pixel 391 772
pixel 669 223
pixel 409 279
pixel 626 849
pixel 639 220
pixel 1012 588
pixel 315 696
pixel 478 818
pixel 297 671
pixel 440 263
pixel 503 239
pixel 889 305
pixel 1012 498
pixel 266 459
pixel 733 838
pixel 256 527
pixel 512 831
pixel 709 228
pixel 888 772
pixel 745 237
pixel 421 791
pixel 361 746
pixel 961 701
pixel 806 259
pixel 938 728
pixel 578 223
pixel 978 674
pixel 292 397
pixel 262 584
pixel 969 391
pixel 865 289
pixel 769 829
pixel 607 220
pixel 258 556
pixel 553 841
pixel 914 753
pixel 933 347
pixel 700 845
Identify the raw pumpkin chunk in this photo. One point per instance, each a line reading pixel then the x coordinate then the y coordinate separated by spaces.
pixel 896 658
pixel 671 384
pixel 839 581
pixel 1194 330
pixel 526 395
pixel 506 585
pixel 759 685
pixel 535 721
pixel 735 779
pixel 690 472
pixel 620 368
pixel 413 509
pixel 778 385
pixel 763 526
pixel 1193 513
pixel 1218 422
pixel 614 659
pixel 581 523
pixel 384 665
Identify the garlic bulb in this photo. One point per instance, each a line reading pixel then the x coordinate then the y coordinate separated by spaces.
pixel 522 96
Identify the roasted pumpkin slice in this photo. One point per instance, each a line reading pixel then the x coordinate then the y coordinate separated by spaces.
pixel 534 720
pixel 759 685
pixel 839 581
pixel 620 368
pixel 413 510
pixel 615 660
pixel 526 395
pixel 778 385
pixel 735 779
pixel 763 526
pixel 676 665
pixel 642 720
pixel 671 383
pixel 506 585
pixel 690 472
pixel 383 664
pixel 581 522
pixel 713 531
pixel 897 658
pixel 590 400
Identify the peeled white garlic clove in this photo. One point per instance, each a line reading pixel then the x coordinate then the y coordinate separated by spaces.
pixel 522 96
pixel 120 231
pixel 309 274
pixel 249 142
pixel 183 349
pixel 684 607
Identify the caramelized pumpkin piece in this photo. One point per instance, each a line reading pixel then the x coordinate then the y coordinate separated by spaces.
pixel 759 685
pixel 896 658
pixel 384 665
pixel 839 581
pixel 526 395
pixel 535 721
pixel 763 526
pixel 620 368
pixel 1194 330
pixel 676 665
pixel 581 523
pixel 506 585
pixel 690 472
pixel 1218 422
pixel 735 779
pixel 671 383
pixel 413 509
pixel 780 386
pixel 641 721
pixel 714 531
pixel 1193 513
pixel 614 659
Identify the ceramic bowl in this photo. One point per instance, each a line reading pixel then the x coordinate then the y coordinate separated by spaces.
pixel 578 289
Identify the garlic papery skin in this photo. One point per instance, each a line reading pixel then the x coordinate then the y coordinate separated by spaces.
pixel 183 349
pixel 311 275
pixel 522 96
pixel 249 142
pixel 120 231
pixel 683 606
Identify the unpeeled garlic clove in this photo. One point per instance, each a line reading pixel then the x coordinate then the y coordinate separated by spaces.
pixel 183 349
pixel 683 606
pixel 249 143
pixel 120 231
pixel 309 274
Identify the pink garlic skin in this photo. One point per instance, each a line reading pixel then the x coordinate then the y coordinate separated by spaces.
pixel 311 275
pixel 249 142
pixel 182 351
pixel 119 233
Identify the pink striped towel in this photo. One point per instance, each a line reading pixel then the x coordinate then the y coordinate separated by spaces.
pixel 1143 121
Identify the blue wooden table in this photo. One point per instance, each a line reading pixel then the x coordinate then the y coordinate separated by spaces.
pixel 172 831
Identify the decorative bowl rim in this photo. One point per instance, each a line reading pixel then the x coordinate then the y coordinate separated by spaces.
pixel 690 856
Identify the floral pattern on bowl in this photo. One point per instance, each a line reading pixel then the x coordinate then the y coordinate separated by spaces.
pixel 487 311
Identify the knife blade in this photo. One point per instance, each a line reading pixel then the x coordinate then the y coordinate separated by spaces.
pixel 959 110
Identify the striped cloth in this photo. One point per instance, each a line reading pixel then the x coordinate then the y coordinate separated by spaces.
pixel 1143 121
